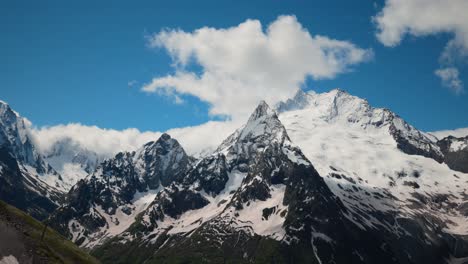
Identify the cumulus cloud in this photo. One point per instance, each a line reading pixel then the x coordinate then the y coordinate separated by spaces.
pixel 422 17
pixel 244 64
pixel 107 142
pixel 450 79
pixel 399 18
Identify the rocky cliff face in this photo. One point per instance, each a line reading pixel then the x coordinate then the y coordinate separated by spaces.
pixel 14 136
pixel 26 180
pixel 98 204
pixel 455 152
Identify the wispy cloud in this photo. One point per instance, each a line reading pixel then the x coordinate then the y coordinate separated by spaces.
pixel 132 83
pixel 450 79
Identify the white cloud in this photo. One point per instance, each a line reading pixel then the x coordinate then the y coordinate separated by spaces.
pixel 108 142
pixel 459 132
pixel 422 17
pixel 419 18
pixel 450 79
pixel 105 142
pixel 205 137
pixel 244 64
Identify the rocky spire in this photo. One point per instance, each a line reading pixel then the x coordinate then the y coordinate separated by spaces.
pixel 262 110
pixel 299 101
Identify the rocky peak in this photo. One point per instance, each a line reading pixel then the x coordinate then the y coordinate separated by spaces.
pixel 299 101
pixel 6 113
pixel 67 151
pixel 161 161
pixel 262 130
pixel 164 137
pixel 26 180
pixel 162 146
pixel 262 110
pixel 113 186
pixel 339 108
pixel 263 125
pixel 14 136
pixel 260 139
pixel 157 162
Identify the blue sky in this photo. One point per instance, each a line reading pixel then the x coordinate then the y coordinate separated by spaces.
pixel 73 62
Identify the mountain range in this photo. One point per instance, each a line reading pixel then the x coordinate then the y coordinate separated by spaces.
pixel 318 178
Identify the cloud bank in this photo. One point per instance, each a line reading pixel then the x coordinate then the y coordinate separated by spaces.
pixel 107 142
pixel 459 132
pixel 244 64
pixel 400 18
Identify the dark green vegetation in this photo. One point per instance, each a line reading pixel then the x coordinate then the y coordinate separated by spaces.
pixel 20 236
pixel 237 248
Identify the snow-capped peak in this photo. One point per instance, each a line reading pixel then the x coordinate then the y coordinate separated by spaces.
pixel 71 160
pixel 5 109
pixel 24 175
pixel 165 156
pixel 262 128
pixel 299 101
pixel 262 110
pixel 164 137
pixel 343 109
pixel 15 137
pixel 13 127
pixel 165 146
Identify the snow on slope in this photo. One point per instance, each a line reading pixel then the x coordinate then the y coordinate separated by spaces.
pixel 348 142
pixel 192 219
pixel 225 204
pixel 340 133
pixel 71 160
pixel 15 137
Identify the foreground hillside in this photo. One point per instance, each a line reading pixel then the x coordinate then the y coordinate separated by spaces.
pixel 20 241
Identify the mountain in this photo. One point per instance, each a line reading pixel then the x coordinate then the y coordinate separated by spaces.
pixel 353 145
pixel 106 202
pixel 14 136
pixel 22 242
pixel 319 178
pixel 255 190
pixel 337 106
pixel 71 160
pixel 26 180
pixel 358 185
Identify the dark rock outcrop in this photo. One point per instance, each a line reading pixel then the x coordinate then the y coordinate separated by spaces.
pixel 455 152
